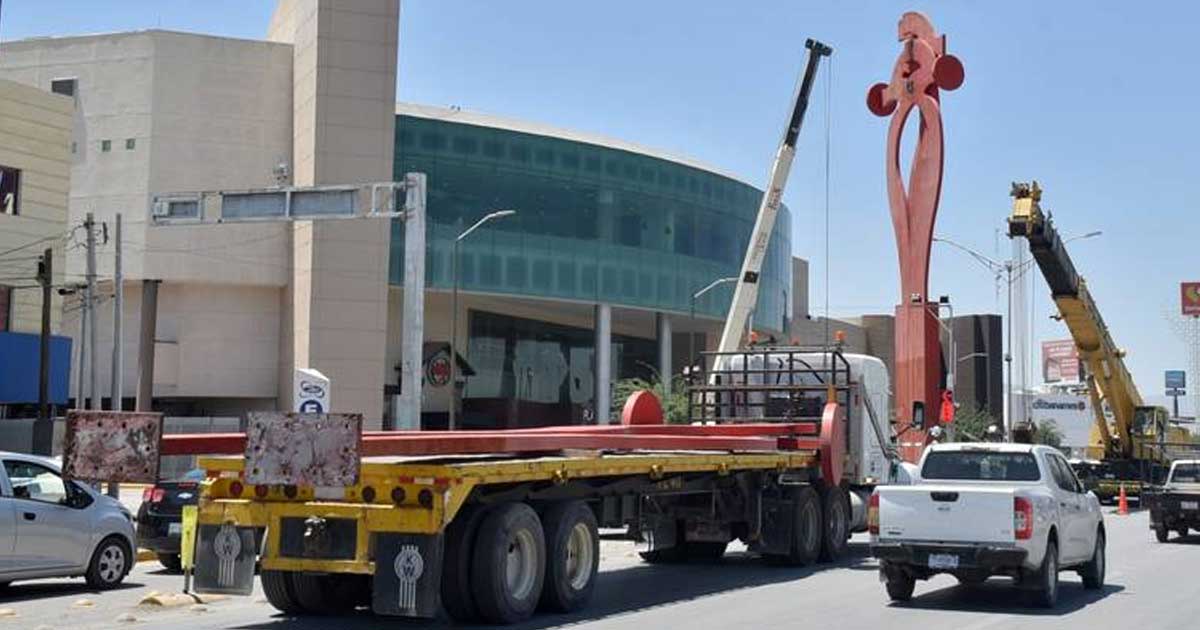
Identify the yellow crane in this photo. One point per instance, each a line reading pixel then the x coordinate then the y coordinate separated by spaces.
pixel 1135 442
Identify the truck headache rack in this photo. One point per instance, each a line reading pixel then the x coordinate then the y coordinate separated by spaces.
pixel 768 384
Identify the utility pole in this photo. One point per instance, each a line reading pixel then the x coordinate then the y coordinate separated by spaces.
pixel 43 432
pixel 83 332
pixel 89 226
pixel 118 299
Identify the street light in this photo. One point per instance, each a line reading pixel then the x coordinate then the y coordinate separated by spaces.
pixel 499 214
pixel 1006 269
pixel 692 335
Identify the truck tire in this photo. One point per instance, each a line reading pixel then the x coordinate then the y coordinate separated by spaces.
pixel 1093 572
pixel 1162 533
pixel 806 530
pixel 572 556
pixel 1046 593
pixel 110 563
pixel 900 586
pixel 457 597
pixel 508 564
pixel 324 594
pixel 277 586
pixel 171 562
pixel 835 534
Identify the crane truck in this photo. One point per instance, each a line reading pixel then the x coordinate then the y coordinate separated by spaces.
pixel 1133 449
pixel 496 525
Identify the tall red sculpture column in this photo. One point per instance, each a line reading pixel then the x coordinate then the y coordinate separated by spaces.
pixel 922 69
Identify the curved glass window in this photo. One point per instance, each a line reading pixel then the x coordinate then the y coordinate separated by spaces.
pixel 593 224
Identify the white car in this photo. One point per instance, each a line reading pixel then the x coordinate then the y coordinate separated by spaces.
pixel 983 509
pixel 55 528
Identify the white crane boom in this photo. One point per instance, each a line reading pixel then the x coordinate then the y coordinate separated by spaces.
pixel 745 295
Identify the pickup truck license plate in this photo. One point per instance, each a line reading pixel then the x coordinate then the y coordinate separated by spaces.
pixel 943 561
pixel 174 528
pixel 1190 505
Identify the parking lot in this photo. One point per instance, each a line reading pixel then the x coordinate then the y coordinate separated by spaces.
pixel 738 592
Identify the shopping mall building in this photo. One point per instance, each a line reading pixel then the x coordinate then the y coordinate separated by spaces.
pixel 605 232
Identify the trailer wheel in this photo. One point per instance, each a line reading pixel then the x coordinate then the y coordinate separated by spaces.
pixel 835 535
pixel 277 586
pixel 323 594
pixel 508 563
pixel 806 529
pixel 572 556
pixel 457 597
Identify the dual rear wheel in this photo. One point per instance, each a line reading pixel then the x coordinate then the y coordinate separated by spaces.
pixel 505 562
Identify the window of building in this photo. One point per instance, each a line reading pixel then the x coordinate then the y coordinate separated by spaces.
pixel 493 149
pixel 465 146
pixel 130 143
pixel 66 87
pixel 433 141
pixel 177 209
pixel 592 164
pixel 106 146
pixel 519 152
pixel 10 190
pixel 569 160
pixel 629 230
pixel 545 156
pixel 5 307
pixel 612 168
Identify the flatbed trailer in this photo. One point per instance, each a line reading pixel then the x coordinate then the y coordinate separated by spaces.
pixel 494 538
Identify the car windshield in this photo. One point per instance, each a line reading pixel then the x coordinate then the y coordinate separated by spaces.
pixel 980 466
pixel 1186 473
pixel 195 474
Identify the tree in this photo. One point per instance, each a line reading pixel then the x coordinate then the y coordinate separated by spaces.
pixel 1049 434
pixel 971 425
pixel 675 406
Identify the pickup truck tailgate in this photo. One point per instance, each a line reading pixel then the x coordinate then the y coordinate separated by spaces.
pixel 946 514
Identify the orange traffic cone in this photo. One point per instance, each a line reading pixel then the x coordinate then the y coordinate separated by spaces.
pixel 1122 503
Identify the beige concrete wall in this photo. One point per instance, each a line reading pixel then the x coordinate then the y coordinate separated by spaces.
pixel 219 341
pixel 35 135
pixel 343 97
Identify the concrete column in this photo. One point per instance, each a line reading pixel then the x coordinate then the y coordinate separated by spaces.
pixel 662 327
pixel 149 324
pixel 603 358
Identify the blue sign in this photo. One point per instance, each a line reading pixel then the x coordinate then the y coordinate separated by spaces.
pixel 1176 379
pixel 19 359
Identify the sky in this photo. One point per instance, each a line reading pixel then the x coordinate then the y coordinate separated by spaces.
pixel 1095 100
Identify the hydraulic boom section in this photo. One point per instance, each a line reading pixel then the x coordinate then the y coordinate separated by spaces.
pixel 745 295
pixel 1108 379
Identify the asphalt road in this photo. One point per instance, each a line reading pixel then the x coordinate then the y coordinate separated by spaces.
pixel 1150 585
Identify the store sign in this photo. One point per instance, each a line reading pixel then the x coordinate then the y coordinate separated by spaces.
pixel 10 190
pixel 311 391
pixel 1060 362
pixel 437 369
pixel 1189 296
pixel 1176 379
pixel 1072 414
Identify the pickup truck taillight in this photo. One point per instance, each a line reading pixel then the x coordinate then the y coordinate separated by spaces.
pixel 1022 518
pixel 873 514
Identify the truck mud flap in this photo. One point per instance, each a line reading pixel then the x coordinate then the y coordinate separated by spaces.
pixel 408 575
pixel 225 559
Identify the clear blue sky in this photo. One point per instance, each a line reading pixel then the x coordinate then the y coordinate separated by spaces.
pixel 1096 100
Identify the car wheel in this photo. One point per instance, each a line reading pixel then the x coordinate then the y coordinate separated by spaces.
pixel 110 564
pixel 900 586
pixel 171 562
pixel 1161 533
pixel 1093 571
pixel 1182 531
pixel 1046 595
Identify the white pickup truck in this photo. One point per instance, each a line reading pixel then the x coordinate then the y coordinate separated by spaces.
pixel 983 509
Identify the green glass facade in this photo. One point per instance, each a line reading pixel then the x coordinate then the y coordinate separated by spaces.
pixel 593 224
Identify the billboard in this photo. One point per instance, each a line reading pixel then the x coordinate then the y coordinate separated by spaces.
pixel 1070 412
pixel 1060 362
pixel 1189 298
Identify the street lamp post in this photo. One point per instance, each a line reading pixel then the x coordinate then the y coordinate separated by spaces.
pixel 692 335
pixel 1006 268
pixel 452 424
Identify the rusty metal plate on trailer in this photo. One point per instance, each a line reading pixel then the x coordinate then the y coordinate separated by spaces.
pixel 120 446
pixel 303 449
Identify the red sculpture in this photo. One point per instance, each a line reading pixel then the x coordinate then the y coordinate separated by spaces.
pixel 921 70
